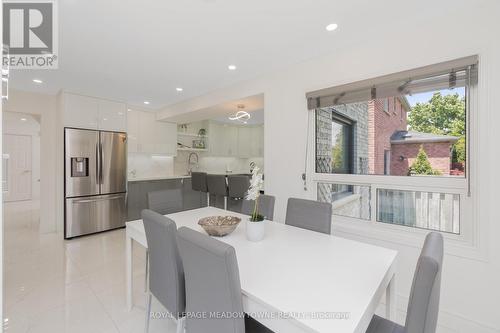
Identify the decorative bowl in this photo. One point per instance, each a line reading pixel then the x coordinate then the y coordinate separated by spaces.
pixel 219 226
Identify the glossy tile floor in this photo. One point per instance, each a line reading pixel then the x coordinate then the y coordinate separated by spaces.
pixel 52 285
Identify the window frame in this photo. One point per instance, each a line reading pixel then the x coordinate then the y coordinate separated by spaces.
pixel 465 244
pixel 344 121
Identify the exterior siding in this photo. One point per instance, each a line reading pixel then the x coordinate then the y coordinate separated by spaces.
pixel 403 156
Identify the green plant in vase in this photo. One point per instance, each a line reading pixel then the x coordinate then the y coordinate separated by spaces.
pixel 256 185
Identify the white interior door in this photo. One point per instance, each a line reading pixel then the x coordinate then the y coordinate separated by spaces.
pixel 19 167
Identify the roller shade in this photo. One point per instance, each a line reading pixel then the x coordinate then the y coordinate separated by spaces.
pixel 456 73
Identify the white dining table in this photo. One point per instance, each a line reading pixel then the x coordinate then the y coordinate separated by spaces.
pixel 296 280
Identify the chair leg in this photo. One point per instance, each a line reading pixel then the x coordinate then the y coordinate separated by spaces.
pixel 225 203
pixel 148 311
pixel 181 323
pixel 208 199
pixel 146 284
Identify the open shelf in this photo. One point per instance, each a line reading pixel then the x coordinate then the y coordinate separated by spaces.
pixel 192 149
pixel 192 135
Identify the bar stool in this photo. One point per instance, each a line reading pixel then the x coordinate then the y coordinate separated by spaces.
pixel 199 183
pixel 216 185
pixel 237 188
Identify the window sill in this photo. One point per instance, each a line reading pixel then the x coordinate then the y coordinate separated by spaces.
pixel 455 245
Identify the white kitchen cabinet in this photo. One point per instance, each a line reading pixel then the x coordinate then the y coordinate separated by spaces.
pixel 80 111
pixel 147 135
pixel 223 139
pixel 112 116
pixel 166 138
pixel 93 113
pixel 246 140
pixel 133 131
pixel 236 141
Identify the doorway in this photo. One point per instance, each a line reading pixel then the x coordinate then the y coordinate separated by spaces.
pixel 21 157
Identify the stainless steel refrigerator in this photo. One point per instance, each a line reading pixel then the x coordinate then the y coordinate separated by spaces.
pixel 95 181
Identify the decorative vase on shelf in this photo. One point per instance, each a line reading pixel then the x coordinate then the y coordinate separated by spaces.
pixel 255 226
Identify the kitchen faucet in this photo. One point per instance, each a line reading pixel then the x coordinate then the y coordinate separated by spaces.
pixel 192 164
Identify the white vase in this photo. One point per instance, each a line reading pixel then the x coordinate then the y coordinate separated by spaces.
pixel 255 230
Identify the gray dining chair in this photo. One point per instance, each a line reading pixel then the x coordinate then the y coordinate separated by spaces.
pixel 217 186
pixel 266 206
pixel 165 201
pixel 309 214
pixel 166 278
pixel 199 184
pixel 423 306
pixel 237 188
pixel 213 285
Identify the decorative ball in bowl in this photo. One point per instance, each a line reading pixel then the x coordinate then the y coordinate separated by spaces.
pixel 219 226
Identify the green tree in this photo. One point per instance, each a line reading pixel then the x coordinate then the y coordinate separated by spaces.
pixel 443 115
pixel 422 166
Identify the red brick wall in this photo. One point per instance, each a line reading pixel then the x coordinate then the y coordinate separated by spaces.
pixel 439 154
pixel 381 125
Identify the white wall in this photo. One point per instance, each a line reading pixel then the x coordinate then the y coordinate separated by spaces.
pixel 470 289
pixel 43 106
pixel 147 165
pixel 216 164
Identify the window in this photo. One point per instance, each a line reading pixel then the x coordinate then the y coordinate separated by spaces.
pixel 347 200
pixel 334 146
pixel 386 105
pixel 410 170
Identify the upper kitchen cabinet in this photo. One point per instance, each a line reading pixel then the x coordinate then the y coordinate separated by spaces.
pixel 80 111
pixel 147 135
pixel 112 116
pixel 93 113
pixel 245 141
pixel 223 139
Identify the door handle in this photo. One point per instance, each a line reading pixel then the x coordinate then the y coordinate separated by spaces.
pixel 100 164
pixel 98 199
pixel 97 163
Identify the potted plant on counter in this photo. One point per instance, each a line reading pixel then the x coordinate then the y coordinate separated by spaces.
pixel 255 226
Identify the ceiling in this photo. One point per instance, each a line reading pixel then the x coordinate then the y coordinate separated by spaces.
pixel 254 105
pixel 137 50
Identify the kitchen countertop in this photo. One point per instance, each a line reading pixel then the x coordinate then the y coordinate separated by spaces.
pixel 144 179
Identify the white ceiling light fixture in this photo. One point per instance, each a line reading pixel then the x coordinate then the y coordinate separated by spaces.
pixel 23 119
pixel 231 67
pixel 240 115
pixel 332 27
pixel 146 102
pixel 38 81
pixel 179 89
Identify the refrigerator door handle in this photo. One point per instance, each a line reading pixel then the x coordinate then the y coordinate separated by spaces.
pixel 100 164
pixel 97 164
pixel 80 201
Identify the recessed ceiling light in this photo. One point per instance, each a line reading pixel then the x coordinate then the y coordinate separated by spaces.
pixel 37 81
pixel 23 119
pixel 332 27
pixel 231 67
pixel 104 119
pixel 146 102
pixel 179 89
pixel 129 110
